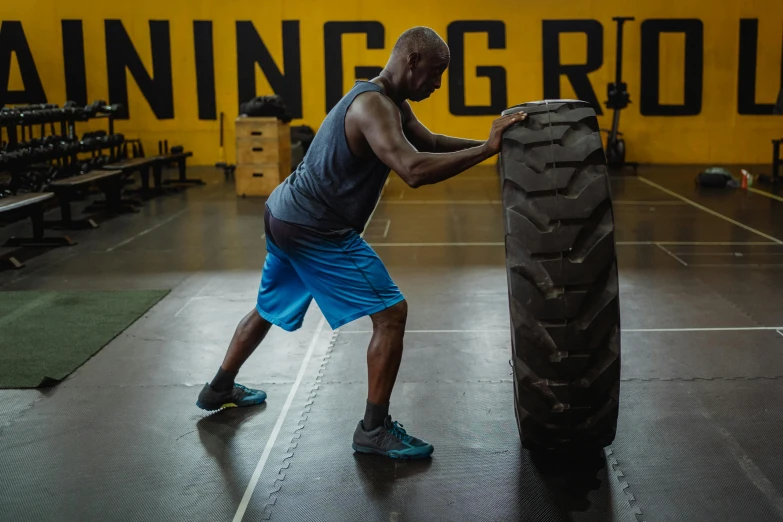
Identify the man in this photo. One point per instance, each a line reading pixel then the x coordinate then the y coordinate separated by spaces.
pixel 314 222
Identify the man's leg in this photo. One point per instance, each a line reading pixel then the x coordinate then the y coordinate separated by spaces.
pixel 282 300
pixel 383 361
pixel 348 281
pixel 249 333
pixel 223 392
pixel 376 433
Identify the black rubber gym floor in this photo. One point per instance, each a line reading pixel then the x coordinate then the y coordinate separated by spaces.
pixel 702 372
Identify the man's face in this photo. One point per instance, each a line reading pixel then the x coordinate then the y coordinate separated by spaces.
pixel 426 72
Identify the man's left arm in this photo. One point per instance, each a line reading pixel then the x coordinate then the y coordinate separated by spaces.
pixel 445 143
pixel 426 141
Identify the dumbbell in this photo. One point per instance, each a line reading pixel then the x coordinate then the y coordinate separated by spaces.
pixel 116 140
pixel 52 140
pixel 95 107
pixel 75 112
pixel 8 116
pixel 111 109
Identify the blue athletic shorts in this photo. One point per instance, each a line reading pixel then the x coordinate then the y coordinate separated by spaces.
pixel 339 270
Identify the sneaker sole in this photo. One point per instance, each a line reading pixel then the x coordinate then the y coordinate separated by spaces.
pixel 394 454
pixel 229 405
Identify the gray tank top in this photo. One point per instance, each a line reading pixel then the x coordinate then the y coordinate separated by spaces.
pixel 332 189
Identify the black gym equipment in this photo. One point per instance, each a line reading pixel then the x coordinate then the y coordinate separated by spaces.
pixel 41 168
pixel 228 169
pixel 617 100
pixel 562 277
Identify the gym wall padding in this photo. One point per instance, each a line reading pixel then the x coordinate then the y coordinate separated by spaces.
pixel 179 63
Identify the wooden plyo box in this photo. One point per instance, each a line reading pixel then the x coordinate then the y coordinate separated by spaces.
pixel 263 155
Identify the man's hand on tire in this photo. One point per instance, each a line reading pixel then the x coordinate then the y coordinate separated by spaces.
pixel 499 126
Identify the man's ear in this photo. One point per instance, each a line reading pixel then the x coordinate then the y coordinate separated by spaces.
pixel 413 59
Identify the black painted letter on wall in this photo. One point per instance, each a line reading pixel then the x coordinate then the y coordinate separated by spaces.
pixel 496 34
pixel 694 71
pixel 576 73
pixel 748 53
pixel 251 51
pixel 13 40
pixel 333 55
pixel 121 55
pixel 205 70
pixel 73 59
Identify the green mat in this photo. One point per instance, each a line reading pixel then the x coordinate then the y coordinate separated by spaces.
pixel 45 336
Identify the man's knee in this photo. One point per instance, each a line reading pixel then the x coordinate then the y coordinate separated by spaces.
pixel 254 321
pixel 393 317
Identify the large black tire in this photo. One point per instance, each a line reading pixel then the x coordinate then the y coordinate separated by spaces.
pixel 562 277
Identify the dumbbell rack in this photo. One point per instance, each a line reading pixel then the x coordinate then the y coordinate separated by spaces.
pixel 55 156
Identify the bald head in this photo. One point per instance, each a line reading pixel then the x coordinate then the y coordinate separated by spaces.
pixel 421 40
pixel 417 61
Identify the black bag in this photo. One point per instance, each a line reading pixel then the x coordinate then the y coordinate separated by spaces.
pixel 266 106
pixel 303 134
pixel 716 177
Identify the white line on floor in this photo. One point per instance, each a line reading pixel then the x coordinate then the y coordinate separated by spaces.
pixel 189 301
pixel 195 297
pixel 443 202
pixel 736 265
pixel 618 243
pixel 373 231
pixel 733 254
pixel 671 254
pixel 427 331
pixel 696 243
pixel 781 333
pixel 710 211
pixel 628 330
pixel 278 425
pixel 33 271
pixel 753 472
pixel 147 231
pixel 652 203
pixel 718 329
pixel 657 203
pixel 435 244
pixel 763 193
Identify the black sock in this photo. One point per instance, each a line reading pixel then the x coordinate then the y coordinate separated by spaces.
pixel 223 381
pixel 374 415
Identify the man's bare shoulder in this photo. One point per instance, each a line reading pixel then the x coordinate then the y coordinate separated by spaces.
pixel 373 105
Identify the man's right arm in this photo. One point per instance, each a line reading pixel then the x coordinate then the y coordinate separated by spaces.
pixel 380 123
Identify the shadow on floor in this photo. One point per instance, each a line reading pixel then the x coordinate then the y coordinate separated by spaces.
pixel 571 479
pixel 217 432
pixel 380 475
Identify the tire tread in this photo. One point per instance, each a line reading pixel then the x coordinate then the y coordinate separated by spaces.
pixel 562 274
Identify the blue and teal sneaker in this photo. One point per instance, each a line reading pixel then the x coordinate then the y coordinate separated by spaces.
pixel 390 440
pixel 237 397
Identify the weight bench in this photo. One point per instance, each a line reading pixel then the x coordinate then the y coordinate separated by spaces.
pixel 108 181
pixel 127 168
pixel 32 206
pixel 180 158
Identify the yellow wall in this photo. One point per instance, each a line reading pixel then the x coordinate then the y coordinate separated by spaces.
pixel 719 134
